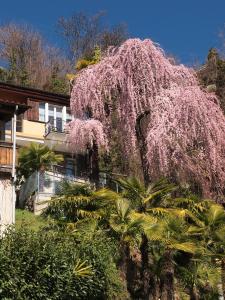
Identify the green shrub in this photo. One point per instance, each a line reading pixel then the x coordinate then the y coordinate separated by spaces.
pixel 53 265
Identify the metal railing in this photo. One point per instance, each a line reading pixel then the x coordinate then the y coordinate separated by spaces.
pixel 47 183
pixel 52 126
pixel 51 183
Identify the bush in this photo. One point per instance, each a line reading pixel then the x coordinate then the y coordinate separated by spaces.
pixel 53 265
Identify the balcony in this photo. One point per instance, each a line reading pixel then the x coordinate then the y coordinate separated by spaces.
pixel 6 156
pixel 51 127
pixel 44 185
pixel 55 136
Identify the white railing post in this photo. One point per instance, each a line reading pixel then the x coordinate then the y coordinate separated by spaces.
pixel 46 112
pixel 14 165
pixel 63 117
pixel 54 117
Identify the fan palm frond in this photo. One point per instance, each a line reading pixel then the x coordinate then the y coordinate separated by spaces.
pixel 82 269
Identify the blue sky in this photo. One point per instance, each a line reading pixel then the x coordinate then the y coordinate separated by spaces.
pixel 186 28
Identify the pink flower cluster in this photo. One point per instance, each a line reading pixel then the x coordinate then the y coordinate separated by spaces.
pixel 83 134
pixel 186 131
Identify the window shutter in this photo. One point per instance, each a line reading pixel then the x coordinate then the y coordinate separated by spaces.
pixel 32 113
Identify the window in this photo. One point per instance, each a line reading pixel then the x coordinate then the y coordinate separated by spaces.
pixel 68 115
pixel 70 167
pixel 59 124
pixel 19 124
pixel 42 112
pixel 2 130
pixel 51 115
pixel 56 115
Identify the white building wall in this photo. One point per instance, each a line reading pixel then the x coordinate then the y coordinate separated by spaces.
pixel 6 203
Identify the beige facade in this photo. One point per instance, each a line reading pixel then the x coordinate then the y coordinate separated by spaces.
pixel 32 111
pixel 31 132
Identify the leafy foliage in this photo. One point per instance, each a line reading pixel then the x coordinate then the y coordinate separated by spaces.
pixel 30 60
pixel 85 62
pixel 78 201
pixel 163 97
pixel 212 75
pixel 54 265
pixel 158 235
pixel 36 157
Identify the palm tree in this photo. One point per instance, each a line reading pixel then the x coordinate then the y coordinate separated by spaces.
pixel 200 277
pixel 36 157
pixel 79 206
pixel 171 234
pixel 143 198
pixel 151 228
pixel 211 231
pixel 77 201
pixel 150 200
pixel 128 225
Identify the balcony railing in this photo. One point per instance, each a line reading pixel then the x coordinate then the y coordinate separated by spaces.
pixel 55 126
pixel 46 183
pixel 6 154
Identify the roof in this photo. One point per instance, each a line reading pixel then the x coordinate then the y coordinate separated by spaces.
pixel 8 92
pixel 7 110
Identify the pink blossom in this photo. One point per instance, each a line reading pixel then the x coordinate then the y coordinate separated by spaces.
pixel 83 134
pixel 186 132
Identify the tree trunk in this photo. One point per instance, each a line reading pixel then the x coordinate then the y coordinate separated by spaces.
pixel 147 279
pixel 141 133
pixel 223 276
pixel 157 291
pixel 194 294
pixel 124 256
pixel 154 289
pixel 93 165
pixel 167 277
pixel 134 280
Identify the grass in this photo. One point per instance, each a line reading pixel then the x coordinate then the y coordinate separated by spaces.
pixel 26 218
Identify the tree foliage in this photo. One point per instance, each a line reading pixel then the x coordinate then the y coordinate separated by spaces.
pixel 54 265
pixel 160 237
pixel 212 75
pixel 36 157
pixel 83 33
pixel 30 61
pixel 163 116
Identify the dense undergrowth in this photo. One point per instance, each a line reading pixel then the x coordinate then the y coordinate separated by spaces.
pixel 155 242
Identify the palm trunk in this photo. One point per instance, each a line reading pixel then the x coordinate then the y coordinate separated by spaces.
pixel 148 282
pixel 194 294
pixel 124 256
pixel 167 277
pixel 123 262
pixel 145 267
pixel 154 289
pixel 130 271
pixel 223 275
pixel 134 280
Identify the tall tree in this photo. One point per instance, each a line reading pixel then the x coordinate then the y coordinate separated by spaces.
pixel 30 60
pixel 139 84
pixel 83 33
pixel 212 74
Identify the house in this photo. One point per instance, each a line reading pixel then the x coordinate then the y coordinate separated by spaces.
pixel 10 109
pixel 44 121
